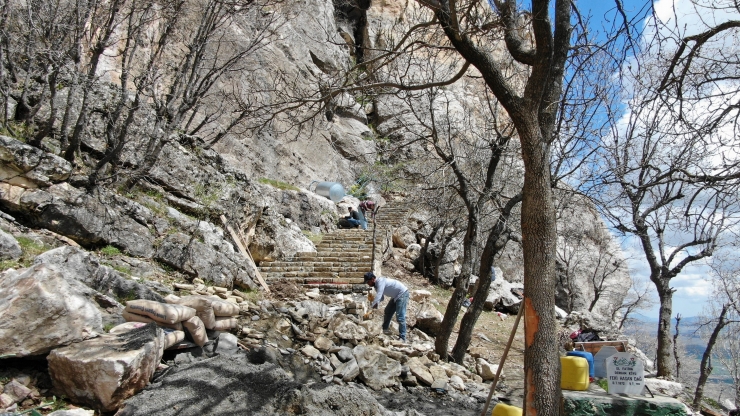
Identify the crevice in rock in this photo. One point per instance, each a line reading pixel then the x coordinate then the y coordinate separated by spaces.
pixel 354 12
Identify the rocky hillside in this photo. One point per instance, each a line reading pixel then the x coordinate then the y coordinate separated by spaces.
pixel 75 252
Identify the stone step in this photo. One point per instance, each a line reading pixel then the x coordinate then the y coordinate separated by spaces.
pixel 315 268
pixel 358 263
pixel 319 280
pixel 345 247
pixel 318 275
pixel 334 257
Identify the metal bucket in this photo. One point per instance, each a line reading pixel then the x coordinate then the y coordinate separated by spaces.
pixel 331 190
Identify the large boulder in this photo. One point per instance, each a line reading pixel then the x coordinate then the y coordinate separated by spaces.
pixel 91 219
pixel 9 247
pixel 42 310
pixel 593 322
pixel 377 370
pixel 104 372
pixel 428 319
pixel 500 296
pixel 344 328
pixel 29 167
pixel 77 264
pixel 403 237
pixel 420 371
pixel 278 237
pixel 198 259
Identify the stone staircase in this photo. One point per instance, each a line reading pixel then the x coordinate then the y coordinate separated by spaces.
pixel 340 260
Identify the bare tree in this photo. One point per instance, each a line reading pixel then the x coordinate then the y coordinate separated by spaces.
pixel 638 299
pixel 723 314
pixel 669 182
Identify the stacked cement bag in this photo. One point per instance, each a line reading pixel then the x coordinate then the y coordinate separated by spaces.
pixel 166 315
pixel 215 313
pixel 171 336
pixel 199 288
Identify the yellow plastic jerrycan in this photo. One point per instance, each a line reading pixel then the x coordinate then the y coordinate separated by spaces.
pixel 502 409
pixel 574 373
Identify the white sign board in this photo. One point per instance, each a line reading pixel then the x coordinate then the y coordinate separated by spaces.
pixel 600 360
pixel 625 374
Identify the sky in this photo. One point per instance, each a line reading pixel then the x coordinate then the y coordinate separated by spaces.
pixel 693 286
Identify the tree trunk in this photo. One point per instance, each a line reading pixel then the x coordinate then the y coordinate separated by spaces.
pixel 665 342
pixel 541 359
pixel 458 296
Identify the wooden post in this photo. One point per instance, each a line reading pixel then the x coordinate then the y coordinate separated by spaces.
pixel 245 253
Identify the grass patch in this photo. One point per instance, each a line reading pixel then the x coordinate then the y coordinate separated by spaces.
pixel 207 195
pixel 8 264
pixel 278 184
pixel 315 238
pixel 107 327
pixel 19 130
pixel 122 269
pixel 252 295
pixel 110 251
pixel 603 383
pixel 31 247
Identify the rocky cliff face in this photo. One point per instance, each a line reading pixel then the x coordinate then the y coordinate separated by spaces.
pixel 173 216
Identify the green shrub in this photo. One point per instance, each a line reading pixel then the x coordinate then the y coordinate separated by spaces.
pixel 278 184
pixel 31 247
pixel 109 251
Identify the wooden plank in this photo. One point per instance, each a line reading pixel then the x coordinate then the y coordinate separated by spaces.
pixel 245 253
pixel 594 346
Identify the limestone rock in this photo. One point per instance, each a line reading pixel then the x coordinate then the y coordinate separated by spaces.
pixel 478 352
pixel 376 369
pixel 403 237
pixel 413 251
pixel 315 309
pixel 499 295
pixel 198 259
pixel 29 167
pixel 345 329
pixel 104 372
pixel 345 354
pixel 420 371
pixel 9 247
pixel 486 370
pixel 77 264
pixel 16 391
pixel 428 318
pixel 457 382
pixel 90 218
pixel 6 401
pixel 439 373
pixel 41 310
pixel 419 295
pixel 668 388
pixel 347 371
pixel 323 343
pixel 310 351
pixel 373 328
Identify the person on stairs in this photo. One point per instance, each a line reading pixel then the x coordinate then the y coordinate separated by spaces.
pixel 367 206
pixel 356 218
pixel 399 299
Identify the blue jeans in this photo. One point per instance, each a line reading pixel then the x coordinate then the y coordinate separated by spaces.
pixel 354 222
pixel 399 308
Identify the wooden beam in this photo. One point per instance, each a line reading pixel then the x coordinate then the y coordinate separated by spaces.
pixel 245 253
